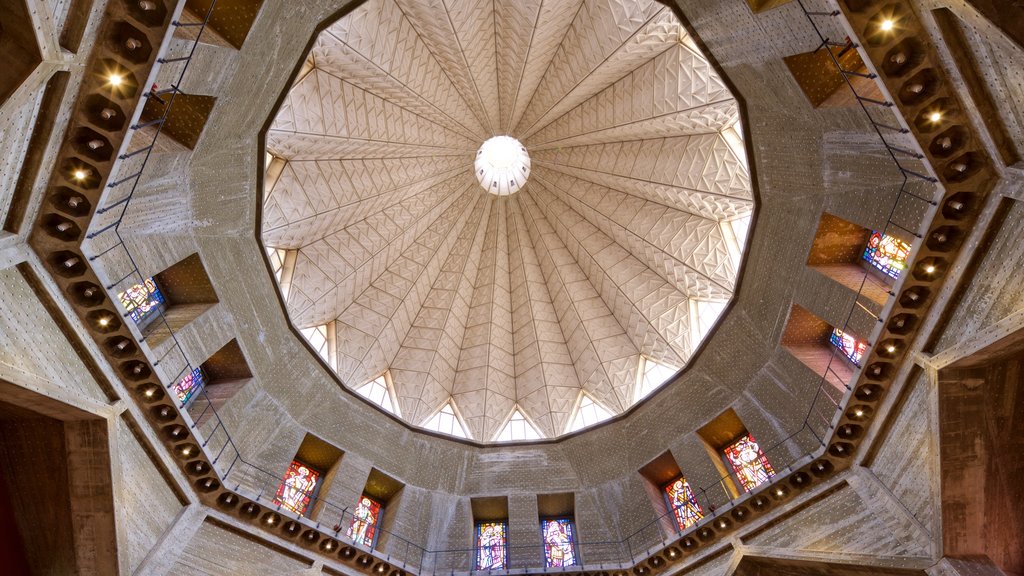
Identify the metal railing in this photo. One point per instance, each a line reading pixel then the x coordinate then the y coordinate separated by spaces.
pixel 799 447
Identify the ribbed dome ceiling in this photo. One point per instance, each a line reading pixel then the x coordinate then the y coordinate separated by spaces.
pixel 617 241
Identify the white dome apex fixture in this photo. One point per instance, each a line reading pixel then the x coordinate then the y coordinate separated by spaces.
pixel 502 165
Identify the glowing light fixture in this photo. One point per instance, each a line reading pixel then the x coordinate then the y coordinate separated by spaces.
pixel 886 25
pixel 929 269
pixel 80 174
pixel 115 79
pixel 935 116
pixel 502 165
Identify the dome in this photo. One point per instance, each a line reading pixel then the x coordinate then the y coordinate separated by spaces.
pixel 562 279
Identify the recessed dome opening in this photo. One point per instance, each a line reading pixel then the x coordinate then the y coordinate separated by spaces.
pixel 502 165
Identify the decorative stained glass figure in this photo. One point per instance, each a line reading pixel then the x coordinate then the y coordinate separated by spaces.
pixel 683 502
pixel 187 387
pixel 748 462
pixel 141 300
pixel 850 346
pixel 364 521
pixel 559 542
pixel 491 549
pixel 887 253
pixel 296 490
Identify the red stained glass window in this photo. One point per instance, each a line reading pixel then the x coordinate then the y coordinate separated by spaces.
pixel 749 464
pixel 364 521
pixel 297 489
pixel 683 503
pixel 851 347
pixel 559 542
pixel 887 253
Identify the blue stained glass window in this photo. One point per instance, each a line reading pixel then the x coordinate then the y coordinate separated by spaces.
pixel 491 546
pixel 559 542
pixel 141 300
pixel 850 346
pixel 187 387
pixel 887 253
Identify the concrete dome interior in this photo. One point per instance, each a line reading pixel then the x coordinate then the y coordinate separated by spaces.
pixel 616 257
pixel 462 390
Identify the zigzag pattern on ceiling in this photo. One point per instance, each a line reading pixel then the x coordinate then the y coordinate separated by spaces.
pixel 497 304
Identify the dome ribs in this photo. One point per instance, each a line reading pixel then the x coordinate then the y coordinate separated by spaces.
pixel 329 118
pixel 677 92
pixel 437 32
pixel 604 357
pixel 546 382
pixel 315 198
pixel 524 54
pixel 386 309
pixel 377 49
pixel 484 386
pixel 350 256
pixel 426 363
pixel 630 168
pixel 652 312
pixel 607 40
pixel 688 252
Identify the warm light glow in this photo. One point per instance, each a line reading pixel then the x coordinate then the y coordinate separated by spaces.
pixel 778 492
pixel 80 174
pixel 858 413
pixel 890 348
pixel 886 25
pixel 115 79
pixel 104 321
pixel 935 116
pixel 186 451
pixel 929 269
pixel 502 165
pixel 149 393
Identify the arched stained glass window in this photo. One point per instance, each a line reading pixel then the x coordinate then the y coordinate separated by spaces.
pixel 298 487
pixel 379 392
pixel 749 464
pixel 518 428
pixel 446 421
pixel 364 521
pixel 588 413
pixel 141 300
pixel 491 546
pixel 851 347
pixel 887 253
pixel 559 542
pixel 683 503
pixel 188 386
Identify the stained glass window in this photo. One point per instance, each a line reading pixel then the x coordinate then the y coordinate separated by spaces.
pixel 364 521
pixel 887 253
pixel 296 490
pixel 748 462
pixel 491 548
pixel 850 346
pixel 559 542
pixel 446 422
pixel 187 387
pixel 683 503
pixel 518 428
pixel 141 300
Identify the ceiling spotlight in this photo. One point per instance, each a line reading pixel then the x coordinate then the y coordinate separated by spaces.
pixel 887 25
pixel 935 116
pixel 104 321
pixel 186 451
pixel 80 174
pixel 858 413
pixel 890 348
pixel 115 79
pixel 778 492
pixel 149 393
pixel 929 269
